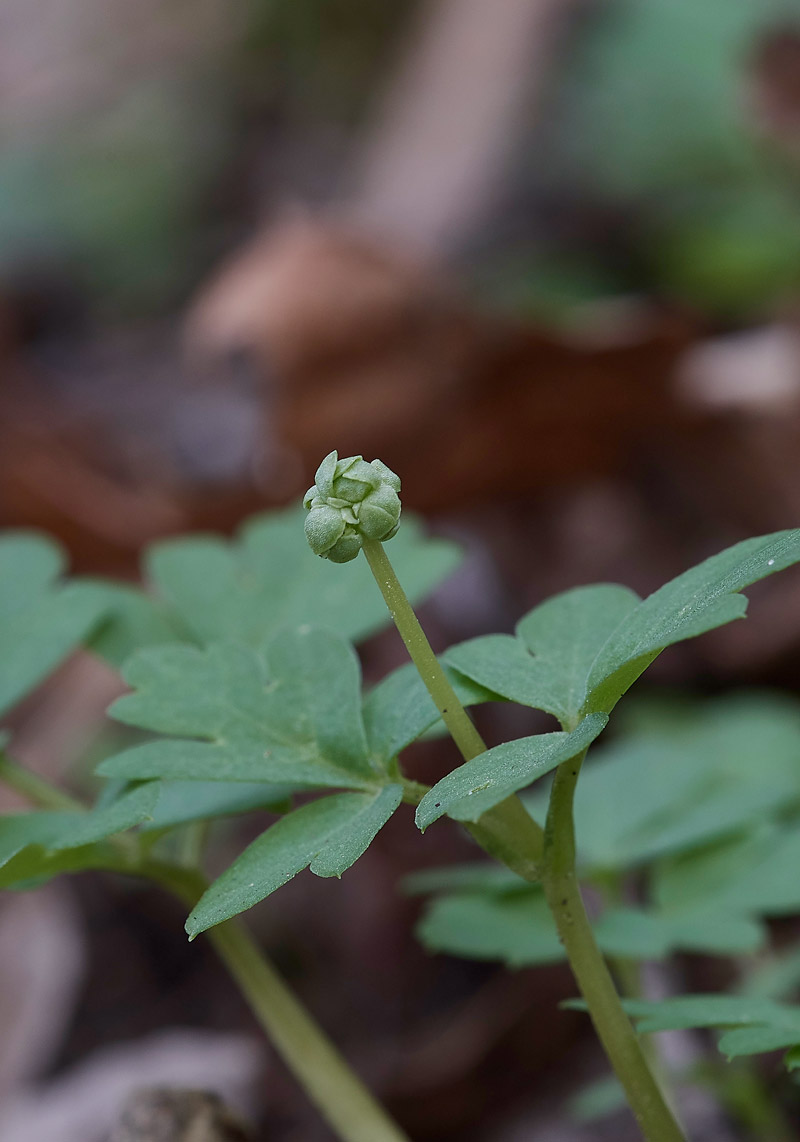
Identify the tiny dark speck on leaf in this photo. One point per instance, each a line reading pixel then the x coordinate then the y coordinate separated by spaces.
pixel 437 805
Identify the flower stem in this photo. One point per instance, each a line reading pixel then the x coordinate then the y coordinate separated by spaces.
pixel 454 716
pixel 339 1095
pixel 613 1027
pixel 507 832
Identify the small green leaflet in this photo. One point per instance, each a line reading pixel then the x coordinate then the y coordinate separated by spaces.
pixel 327 835
pixel 579 652
pixel 289 714
pixel 488 779
pixel 209 589
pixel 42 619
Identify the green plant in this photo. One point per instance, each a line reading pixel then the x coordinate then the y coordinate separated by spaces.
pixel 244 676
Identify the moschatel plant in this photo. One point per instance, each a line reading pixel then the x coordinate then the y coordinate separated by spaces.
pixel 243 676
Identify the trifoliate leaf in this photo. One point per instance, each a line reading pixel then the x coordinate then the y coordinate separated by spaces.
pixel 42 618
pixel 289 714
pixel 329 835
pixel 488 779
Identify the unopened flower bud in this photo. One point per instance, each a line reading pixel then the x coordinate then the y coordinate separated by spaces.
pixel 351 500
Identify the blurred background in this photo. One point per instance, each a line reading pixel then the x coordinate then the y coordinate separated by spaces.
pixel 540 256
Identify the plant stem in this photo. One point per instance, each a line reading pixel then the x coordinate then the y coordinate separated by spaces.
pixel 454 716
pixel 34 788
pixel 507 832
pixel 338 1093
pixel 593 977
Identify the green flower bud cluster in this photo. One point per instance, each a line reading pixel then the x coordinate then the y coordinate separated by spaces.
pixel 352 499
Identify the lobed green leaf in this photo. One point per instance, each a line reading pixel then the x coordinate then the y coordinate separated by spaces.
pixel 579 652
pixel 289 714
pixel 548 662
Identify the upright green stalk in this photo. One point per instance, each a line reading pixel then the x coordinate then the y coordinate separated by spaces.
pixel 591 973
pixel 500 832
pixel 455 717
pixel 507 832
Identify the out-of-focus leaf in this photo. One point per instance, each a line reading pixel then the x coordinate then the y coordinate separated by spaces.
pixel 648 934
pixel 132 620
pixel 516 928
pixel 86 828
pixel 245 589
pixel 751 1026
pixel 42 618
pixel 328 835
pixel 598 1099
pixel 484 876
pixel 35 865
pixel 749 875
pixel 675 785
